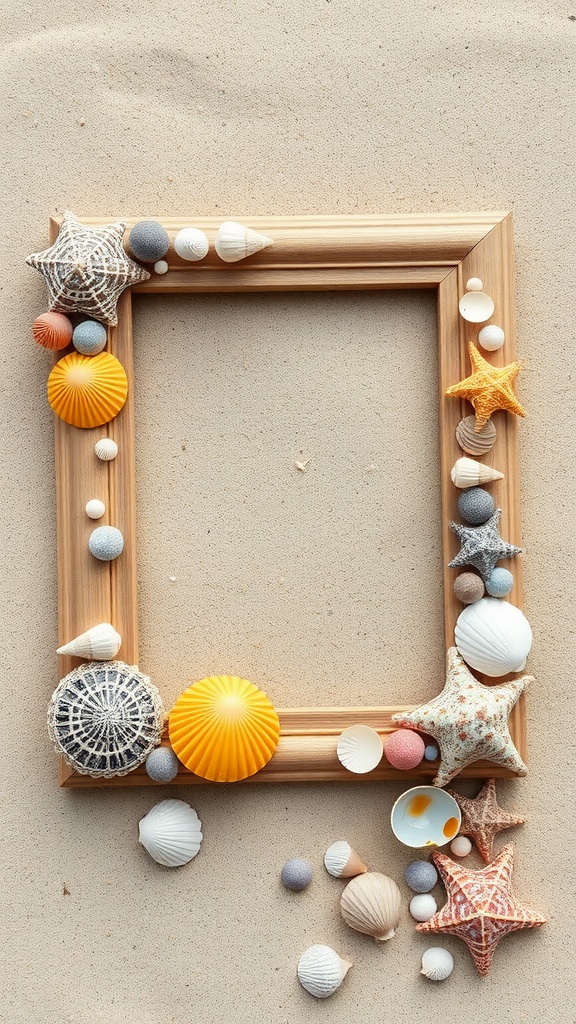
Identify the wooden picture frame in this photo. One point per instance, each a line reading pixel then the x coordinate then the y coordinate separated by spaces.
pixel 432 251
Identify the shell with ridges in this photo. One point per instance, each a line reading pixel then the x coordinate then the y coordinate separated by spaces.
pixel 341 861
pixel 437 963
pixel 470 473
pixel 359 749
pixel 100 643
pixel 171 833
pixel 52 330
pixel 234 242
pixel 87 391
pixel 371 904
pixel 472 442
pixel 106 449
pixel 191 244
pixel 321 971
pixel 493 637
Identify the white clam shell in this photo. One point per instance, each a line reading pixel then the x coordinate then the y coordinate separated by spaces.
pixel 371 904
pixel 191 244
pixel 321 970
pixel 476 307
pixel 171 833
pixel 235 242
pixel 493 637
pixel 106 449
pixel 470 473
pixel 341 861
pixel 100 643
pixel 359 749
pixel 437 963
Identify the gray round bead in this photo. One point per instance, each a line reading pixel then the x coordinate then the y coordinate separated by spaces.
pixel 162 764
pixel 89 338
pixel 149 241
pixel 499 582
pixel 475 505
pixel 430 752
pixel 296 874
pixel 421 876
pixel 106 543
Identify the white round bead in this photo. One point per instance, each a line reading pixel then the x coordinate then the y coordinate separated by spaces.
pixel 474 284
pixel 423 906
pixel 161 267
pixel 491 337
pixel 95 508
pixel 461 846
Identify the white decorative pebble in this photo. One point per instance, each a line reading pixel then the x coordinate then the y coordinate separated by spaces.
pixel 106 543
pixel 461 846
pixel 491 337
pixel 423 907
pixel 106 449
pixel 474 284
pixel 161 267
pixel 95 508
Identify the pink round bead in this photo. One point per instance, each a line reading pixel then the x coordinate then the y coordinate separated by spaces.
pixel 404 749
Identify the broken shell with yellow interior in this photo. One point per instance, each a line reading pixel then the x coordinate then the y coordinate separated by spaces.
pixel 234 242
pixel 470 473
pixel 472 442
pixel 87 391
pixel 100 643
pixel 223 728
pixel 359 749
pixel 106 449
pixel 171 833
pixel 321 971
pixel 341 861
pixel 371 904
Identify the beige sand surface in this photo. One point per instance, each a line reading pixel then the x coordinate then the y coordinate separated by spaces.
pixel 238 109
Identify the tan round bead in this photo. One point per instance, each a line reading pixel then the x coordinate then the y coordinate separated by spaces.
pixel 468 587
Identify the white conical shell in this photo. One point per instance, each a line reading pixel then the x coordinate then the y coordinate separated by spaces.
pixel 359 749
pixel 437 963
pixel 106 449
pixel 234 242
pixel 171 833
pixel 321 971
pixel 493 637
pixel 191 244
pixel 341 861
pixel 100 643
pixel 371 904
pixel 470 473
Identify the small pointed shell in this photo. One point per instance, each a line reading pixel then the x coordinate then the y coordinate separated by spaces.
pixel 106 449
pixel 493 637
pixel 437 963
pixel 321 971
pixel 191 244
pixel 470 473
pixel 234 242
pixel 341 861
pixel 475 442
pixel 100 643
pixel 371 904
pixel 171 833
pixel 359 749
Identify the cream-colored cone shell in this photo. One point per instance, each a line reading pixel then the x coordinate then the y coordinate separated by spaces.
pixel 341 861
pixel 371 904
pixel 321 971
pixel 470 473
pixel 100 643
pixel 234 242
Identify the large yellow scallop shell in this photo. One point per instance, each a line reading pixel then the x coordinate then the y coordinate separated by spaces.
pixel 87 391
pixel 224 728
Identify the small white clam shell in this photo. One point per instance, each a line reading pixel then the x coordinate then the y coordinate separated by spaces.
pixel 95 508
pixel 359 749
pixel 470 473
pixel 171 833
pixel 493 637
pixel 341 861
pixel 437 963
pixel 321 970
pixel 235 242
pixel 191 244
pixel 476 307
pixel 106 449
pixel 491 338
pixel 100 643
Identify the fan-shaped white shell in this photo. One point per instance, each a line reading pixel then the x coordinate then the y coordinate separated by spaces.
pixel 321 971
pixel 371 904
pixel 341 861
pixel 493 637
pixel 171 833
pixel 100 643
pixel 359 749
pixel 234 242
pixel 437 963
pixel 106 449
pixel 191 244
pixel 470 473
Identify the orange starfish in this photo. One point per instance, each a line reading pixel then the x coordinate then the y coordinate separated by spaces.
pixel 481 909
pixel 488 388
pixel 482 818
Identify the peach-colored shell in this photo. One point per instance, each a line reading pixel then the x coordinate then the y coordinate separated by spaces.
pixel 223 728
pixel 52 330
pixel 87 391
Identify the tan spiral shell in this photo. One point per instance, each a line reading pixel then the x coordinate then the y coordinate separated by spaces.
pixel 479 443
pixel 371 904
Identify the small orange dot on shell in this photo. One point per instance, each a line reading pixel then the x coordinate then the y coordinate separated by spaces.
pixel 52 330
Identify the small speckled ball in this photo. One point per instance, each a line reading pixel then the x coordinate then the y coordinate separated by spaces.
pixel 431 752
pixel 404 749
pixel 149 241
pixel 461 846
pixel 421 876
pixel 475 505
pixel 423 907
pixel 162 764
pixel 499 582
pixel 296 874
pixel 468 587
pixel 89 338
pixel 106 543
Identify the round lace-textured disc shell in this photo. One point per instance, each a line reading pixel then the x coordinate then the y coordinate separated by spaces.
pixel 105 718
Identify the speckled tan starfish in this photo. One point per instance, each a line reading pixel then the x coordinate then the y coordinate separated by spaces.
pixel 482 818
pixel 488 388
pixel 481 908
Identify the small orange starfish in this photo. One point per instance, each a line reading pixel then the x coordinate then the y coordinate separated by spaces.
pixel 483 818
pixel 488 388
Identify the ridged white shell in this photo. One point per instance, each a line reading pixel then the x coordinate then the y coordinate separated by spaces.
pixel 171 833
pixel 191 244
pixel 437 963
pixel 470 473
pixel 321 971
pixel 234 242
pixel 371 904
pixel 493 637
pixel 100 643
pixel 106 449
pixel 359 749
pixel 341 861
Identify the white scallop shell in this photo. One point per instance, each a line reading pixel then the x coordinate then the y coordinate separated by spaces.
pixel 437 963
pixel 321 971
pixel 359 749
pixel 106 449
pixel 100 643
pixel 476 307
pixel 171 833
pixel 470 473
pixel 371 904
pixel 234 242
pixel 341 861
pixel 493 637
pixel 191 244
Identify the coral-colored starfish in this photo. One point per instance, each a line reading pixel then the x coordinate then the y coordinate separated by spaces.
pixel 488 388
pixel 482 818
pixel 481 908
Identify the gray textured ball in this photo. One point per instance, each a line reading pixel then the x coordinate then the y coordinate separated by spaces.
pixel 106 543
pixel 499 582
pixel 296 874
pixel 430 752
pixel 421 876
pixel 89 338
pixel 162 765
pixel 475 505
pixel 149 241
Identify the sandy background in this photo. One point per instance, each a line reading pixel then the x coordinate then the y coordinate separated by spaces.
pixel 243 109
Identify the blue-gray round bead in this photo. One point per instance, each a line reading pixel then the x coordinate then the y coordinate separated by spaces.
pixel 421 876
pixel 89 337
pixel 162 764
pixel 296 874
pixel 499 582
pixel 430 752
pixel 149 241
pixel 475 505
pixel 106 543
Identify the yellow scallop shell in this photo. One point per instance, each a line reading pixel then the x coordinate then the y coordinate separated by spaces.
pixel 223 728
pixel 87 391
